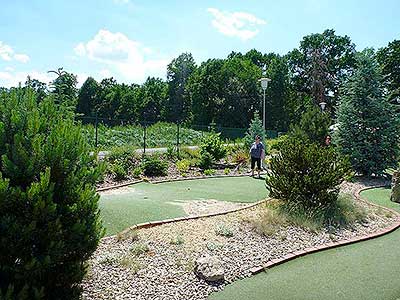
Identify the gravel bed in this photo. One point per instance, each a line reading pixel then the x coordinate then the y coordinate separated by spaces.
pixel 202 207
pixel 165 269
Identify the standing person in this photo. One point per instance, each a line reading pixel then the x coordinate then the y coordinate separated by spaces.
pixel 256 153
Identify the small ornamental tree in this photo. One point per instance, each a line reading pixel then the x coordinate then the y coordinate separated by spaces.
pixel 313 126
pixel 368 124
pixel 255 128
pixel 49 217
pixel 213 145
pixel 306 176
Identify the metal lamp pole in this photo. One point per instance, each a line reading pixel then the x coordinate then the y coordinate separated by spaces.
pixel 264 84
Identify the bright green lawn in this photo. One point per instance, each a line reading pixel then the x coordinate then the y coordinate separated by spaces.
pixel 150 202
pixel 365 271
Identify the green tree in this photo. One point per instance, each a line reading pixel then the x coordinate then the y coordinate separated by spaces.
pixel 320 64
pixel 39 87
pixel 178 73
pixel 255 128
pixel 64 87
pixel 313 126
pixel 205 91
pixel 87 97
pixel 153 100
pixel 389 60
pixel 241 92
pixel 278 95
pixel 50 222
pixel 306 177
pixel 368 125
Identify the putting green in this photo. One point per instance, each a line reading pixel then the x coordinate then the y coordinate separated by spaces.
pixel 367 271
pixel 145 202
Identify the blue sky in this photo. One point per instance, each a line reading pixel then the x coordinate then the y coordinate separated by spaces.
pixel 133 39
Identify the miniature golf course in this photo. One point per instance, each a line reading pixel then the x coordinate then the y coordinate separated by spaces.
pixel 145 202
pixel 368 270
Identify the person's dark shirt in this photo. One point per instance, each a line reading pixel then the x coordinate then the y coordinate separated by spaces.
pixel 256 149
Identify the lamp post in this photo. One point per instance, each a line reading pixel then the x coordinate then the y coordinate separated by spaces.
pixel 264 84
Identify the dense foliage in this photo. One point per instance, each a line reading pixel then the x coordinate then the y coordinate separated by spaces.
pixel 306 176
pixel 314 125
pixel 389 61
pixel 157 135
pixel 226 91
pixel 368 124
pixel 152 165
pixel 49 217
pixel 213 145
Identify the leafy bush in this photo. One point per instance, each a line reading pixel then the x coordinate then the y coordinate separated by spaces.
pixel 275 144
pixel 118 172
pixel 306 176
pixel 124 156
pixel 137 172
pixel 152 165
pixel 189 153
pixel 209 172
pixel 214 145
pixel 183 165
pixel 227 171
pixel 205 160
pixel 49 218
pixel 171 152
pixel 241 156
pixel 121 161
pixel 314 126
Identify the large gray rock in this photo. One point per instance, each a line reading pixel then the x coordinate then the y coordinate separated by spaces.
pixel 209 268
pixel 395 195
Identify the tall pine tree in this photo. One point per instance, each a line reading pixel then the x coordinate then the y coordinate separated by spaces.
pixel 368 125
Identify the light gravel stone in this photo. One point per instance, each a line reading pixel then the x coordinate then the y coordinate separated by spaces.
pixel 166 271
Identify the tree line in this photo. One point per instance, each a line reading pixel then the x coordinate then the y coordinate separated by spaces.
pixel 227 91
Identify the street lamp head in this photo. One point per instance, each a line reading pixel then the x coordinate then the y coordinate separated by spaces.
pixel 264 82
pixel 323 105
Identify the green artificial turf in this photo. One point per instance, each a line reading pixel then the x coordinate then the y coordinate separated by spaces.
pixel 145 202
pixel 364 271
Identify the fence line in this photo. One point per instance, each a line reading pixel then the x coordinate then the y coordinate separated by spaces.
pixel 104 133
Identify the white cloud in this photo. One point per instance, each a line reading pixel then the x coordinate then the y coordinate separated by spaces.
pixel 237 24
pixel 80 49
pixel 7 53
pixel 119 55
pixel 21 58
